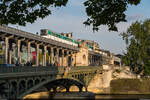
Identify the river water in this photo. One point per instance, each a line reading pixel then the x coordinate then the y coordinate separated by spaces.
pixel 85 95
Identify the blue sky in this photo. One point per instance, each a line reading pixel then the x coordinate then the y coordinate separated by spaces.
pixel 71 17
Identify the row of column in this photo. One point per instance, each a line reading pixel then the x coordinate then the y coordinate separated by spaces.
pixel 44 52
pixel 94 60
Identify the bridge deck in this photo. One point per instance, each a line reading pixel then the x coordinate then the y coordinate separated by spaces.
pixel 28 70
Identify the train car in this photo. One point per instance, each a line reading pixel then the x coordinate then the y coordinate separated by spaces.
pixel 58 37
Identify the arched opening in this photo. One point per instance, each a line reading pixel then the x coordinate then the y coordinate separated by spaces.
pixel 29 84
pixel 60 89
pixel 74 88
pixel 42 80
pixel 22 86
pixel 84 57
pixel 37 81
pixel 13 89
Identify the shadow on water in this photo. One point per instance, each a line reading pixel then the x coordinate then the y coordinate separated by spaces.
pixel 70 95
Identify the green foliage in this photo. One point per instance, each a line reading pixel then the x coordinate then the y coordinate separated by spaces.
pixel 107 12
pixel 100 12
pixel 137 39
pixel 23 11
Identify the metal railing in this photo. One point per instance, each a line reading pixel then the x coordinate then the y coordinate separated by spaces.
pixel 18 69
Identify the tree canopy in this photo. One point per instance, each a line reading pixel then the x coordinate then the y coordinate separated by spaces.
pixel 99 12
pixel 137 39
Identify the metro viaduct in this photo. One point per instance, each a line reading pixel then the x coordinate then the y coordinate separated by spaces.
pixel 17 82
pixel 54 48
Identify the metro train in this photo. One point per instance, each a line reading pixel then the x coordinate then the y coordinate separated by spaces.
pixel 58 37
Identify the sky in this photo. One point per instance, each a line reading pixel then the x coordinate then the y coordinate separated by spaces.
pixel 71 18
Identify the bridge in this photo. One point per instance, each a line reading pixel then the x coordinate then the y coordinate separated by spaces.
pixel 16 82
pixel 17 43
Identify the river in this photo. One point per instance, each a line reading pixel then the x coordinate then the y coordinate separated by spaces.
pixel 85 95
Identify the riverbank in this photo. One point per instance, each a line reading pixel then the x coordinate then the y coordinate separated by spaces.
pixel 130 86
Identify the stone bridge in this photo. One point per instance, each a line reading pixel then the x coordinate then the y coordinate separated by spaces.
pixel 16 82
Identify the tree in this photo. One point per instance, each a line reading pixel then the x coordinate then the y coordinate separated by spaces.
pixel 100 12
pixel 137 39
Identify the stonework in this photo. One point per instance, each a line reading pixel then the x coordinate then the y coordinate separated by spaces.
pixel 81 57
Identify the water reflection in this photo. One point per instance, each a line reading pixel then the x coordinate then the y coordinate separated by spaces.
pixel 83 95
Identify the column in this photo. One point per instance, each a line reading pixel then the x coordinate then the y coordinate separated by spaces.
pixel 10 57
pixel 62 64
pixel 29 51
pixel 18 50
pixel 6 50
pixel 67 53
pixel 37 54
pixel 49 57
pixel 71 58
pixel 52 55
pixel 57 55
pixel 10 52
pixel 93 60
pixel 45 51
pixel 75 60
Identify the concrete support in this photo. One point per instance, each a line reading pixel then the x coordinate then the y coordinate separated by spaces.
pixel 37 54
pixel 57 55
pixel 71 58
pixel 29 51
pixel 49 57
pixel 75 60
pixel 62 64
pixel 45 51
pixel 67 58
pixel 10 57
pixel 52 55
pixel 6 49
pixel 18 50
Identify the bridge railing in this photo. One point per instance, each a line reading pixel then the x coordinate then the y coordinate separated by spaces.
pixel 16 69
pixel 26 69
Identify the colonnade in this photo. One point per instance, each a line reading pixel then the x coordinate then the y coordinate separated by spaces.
pixel 94 60
pixel 54 52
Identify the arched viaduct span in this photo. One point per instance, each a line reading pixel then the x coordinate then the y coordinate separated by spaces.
pixel 20 81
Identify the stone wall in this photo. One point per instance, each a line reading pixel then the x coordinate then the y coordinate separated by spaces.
pixel 130 86
pixel 81 57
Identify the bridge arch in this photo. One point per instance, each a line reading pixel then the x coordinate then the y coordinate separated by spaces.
pixel 53 83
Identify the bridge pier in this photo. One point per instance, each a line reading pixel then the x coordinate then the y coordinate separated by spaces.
pixel 52 55
pixel 29 51
pixel 62 64
pixel 6 49
pixel 18 50
pixel 37 54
